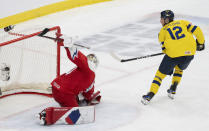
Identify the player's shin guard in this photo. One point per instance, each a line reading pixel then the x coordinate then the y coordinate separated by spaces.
pixel 154 88
pixel 157 82
pixel 177 75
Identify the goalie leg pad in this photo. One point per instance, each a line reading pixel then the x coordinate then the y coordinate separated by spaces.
pixel 73 117
pixel 68 115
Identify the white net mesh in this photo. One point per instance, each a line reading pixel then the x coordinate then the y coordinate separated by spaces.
pixel 28 65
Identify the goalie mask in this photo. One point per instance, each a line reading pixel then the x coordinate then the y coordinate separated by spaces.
pixel 92 61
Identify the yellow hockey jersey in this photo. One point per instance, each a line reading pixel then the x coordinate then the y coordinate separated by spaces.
pixel 177 38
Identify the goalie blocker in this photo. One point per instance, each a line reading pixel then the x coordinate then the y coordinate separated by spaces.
pixel 67 115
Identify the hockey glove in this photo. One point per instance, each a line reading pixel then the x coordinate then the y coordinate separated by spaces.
pixel 95 99
pixel 67 41
pixel 81 100
pixel 8 28
pixel 200 47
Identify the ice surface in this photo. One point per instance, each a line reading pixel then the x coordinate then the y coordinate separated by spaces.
pixel 128 28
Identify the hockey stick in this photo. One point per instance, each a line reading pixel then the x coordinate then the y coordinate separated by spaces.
pixel 42 34
pixel 135 58
pixel 52 38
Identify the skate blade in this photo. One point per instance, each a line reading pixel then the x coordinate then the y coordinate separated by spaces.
pixel 171 96
pixel 42 121
pixel 145 102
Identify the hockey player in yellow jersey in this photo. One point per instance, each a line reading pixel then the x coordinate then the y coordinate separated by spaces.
pixel 179 47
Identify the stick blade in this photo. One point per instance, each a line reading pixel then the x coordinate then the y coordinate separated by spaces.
pixel 115 56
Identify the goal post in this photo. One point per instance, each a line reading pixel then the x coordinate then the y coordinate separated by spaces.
pixel 28 62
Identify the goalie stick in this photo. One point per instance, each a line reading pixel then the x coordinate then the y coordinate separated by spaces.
pixel 42 34
pixel 135 58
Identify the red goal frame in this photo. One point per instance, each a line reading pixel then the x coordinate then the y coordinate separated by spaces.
pixel 24 36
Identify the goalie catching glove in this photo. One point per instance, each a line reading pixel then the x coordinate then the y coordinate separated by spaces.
pixel 67 41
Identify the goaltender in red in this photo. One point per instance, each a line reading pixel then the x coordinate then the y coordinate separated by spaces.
pixel 74 88
pixel 67 88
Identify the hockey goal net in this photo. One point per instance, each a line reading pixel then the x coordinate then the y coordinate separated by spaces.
pixel 28 62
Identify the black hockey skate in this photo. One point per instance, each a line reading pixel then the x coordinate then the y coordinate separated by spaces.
pixel 172 90
pixel 146 98
pixel 42 117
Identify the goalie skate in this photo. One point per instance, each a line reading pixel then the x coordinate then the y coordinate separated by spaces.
pixel 42 117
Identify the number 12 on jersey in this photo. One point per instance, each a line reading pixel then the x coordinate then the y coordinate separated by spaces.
pixel 176 33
